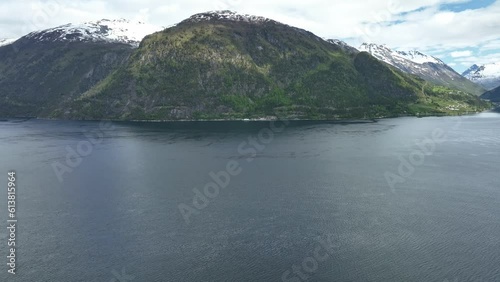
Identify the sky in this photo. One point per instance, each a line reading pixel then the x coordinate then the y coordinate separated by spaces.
pixel 460 32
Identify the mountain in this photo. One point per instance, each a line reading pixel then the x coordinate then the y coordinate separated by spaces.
pixel 492 95
pixel 212 65
pixel 107 31
pixel 5 41
pixel 398 59
pixel 225 65
pixel 344 46
pixel 424 66
pixel 44 69
pixel 487 75
pixel 470 71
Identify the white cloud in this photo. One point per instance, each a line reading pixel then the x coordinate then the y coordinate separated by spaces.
pixel 459 54
pixel 485 59
pixel 491 45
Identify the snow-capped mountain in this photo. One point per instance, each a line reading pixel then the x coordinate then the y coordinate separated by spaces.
pixel 400 59
pixel 470 70
pixel 72 72
pixel 112 31
pixel 226 15
pixel 4 41
pixel 232 16
pixel 344 46
pixel 426 67
pixel 487 75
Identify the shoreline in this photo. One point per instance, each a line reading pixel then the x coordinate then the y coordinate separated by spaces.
pixel 264 119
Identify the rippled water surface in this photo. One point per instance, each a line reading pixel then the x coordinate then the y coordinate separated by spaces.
pixel 115 214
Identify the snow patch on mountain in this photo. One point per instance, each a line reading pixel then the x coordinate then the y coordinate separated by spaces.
pixel 339 43
pixel 231 16
pixel 490 70
pixel 484 71
pixel 383 53
pixel 226 15
pixel 487 75
pixel 344 46
pixel 112 31
pixel 4 41
pixel 420 58
pixel 470 71
pixel 424 66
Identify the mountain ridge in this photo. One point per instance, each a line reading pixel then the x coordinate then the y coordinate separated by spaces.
pixel 224 65
pixel 213 65
pixel 6 41
pixel 492 95
pixel 382 52
pixel 424 66
pixel 109 31
pixel 486 75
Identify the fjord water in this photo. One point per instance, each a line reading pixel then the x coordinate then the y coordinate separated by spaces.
pixel 115 216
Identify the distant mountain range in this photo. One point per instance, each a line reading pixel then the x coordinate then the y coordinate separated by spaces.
pixel 487 75
pixel 218 65
pixel 424 66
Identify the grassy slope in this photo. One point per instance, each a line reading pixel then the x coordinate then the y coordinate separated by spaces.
pixel 453 80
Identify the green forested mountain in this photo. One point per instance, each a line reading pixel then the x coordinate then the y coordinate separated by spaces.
pixel 38 77
pixel 216 65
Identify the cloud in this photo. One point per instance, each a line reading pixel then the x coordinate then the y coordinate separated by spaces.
pixel 491 45
pixel 402 24
pixel 459 54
